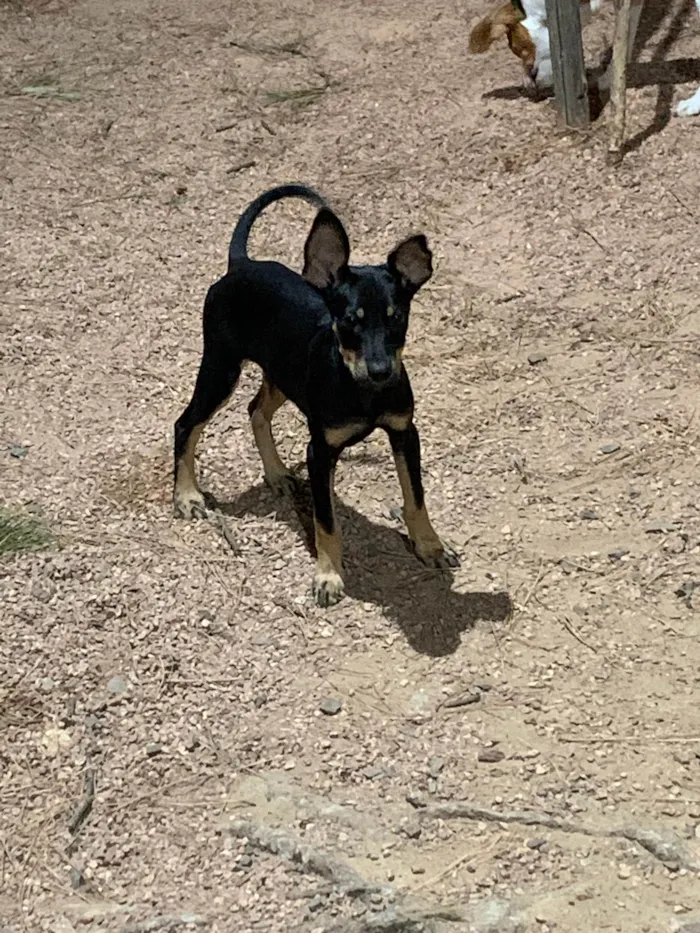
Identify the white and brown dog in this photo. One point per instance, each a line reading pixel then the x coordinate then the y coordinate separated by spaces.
pixel 524 24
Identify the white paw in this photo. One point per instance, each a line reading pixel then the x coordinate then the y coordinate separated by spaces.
pixel 689 107
pixel 189 503
pixel 328 588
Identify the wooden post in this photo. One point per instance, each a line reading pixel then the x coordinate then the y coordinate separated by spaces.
pixel 618 86
pixel 569 70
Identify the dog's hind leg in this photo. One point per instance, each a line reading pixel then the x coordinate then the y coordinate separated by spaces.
pixel 261 411
pixel 216 380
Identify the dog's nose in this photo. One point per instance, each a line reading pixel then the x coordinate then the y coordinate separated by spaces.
pixel 379 370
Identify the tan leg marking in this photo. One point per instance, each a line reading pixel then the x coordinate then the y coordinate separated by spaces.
pixel 328 587
pixel 336 437
pixel 269 399
pixel 188 498
pixel 396 421
pixel 428 547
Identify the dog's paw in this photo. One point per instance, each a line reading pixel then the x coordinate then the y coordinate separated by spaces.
pixel 189 504
pixel 689 107
pixel 328 589
pixel 284 484
pixel 439 555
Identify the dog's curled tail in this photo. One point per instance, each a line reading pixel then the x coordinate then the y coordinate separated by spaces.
pixel 238 248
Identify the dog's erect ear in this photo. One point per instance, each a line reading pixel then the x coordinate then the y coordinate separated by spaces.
pixel 412 261
pixel 495 26
pixel 327 250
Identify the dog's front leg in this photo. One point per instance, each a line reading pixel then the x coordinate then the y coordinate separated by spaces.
pixel 328 582
pixel 429 548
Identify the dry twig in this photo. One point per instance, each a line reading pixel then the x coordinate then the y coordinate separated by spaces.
pixel 664 845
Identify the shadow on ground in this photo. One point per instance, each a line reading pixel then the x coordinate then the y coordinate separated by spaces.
pixel 422 603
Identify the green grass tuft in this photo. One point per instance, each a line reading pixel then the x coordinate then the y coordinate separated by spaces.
pixel 22 531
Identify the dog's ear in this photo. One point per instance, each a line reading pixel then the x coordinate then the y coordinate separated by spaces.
pixel 495 26
pixel 326 251
pixel 412 262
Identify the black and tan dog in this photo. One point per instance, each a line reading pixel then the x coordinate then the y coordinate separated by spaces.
pixel 330 340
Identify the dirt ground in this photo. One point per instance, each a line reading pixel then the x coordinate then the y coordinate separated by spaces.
pixel 165 763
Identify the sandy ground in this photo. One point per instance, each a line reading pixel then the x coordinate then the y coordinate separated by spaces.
pixel 556 672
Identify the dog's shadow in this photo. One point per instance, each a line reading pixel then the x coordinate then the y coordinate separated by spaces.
pixel 421 602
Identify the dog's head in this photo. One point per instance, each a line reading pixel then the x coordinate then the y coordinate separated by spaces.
pixel 369 304
pixel 523 24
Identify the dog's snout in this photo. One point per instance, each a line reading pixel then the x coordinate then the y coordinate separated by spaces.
pixel 379 370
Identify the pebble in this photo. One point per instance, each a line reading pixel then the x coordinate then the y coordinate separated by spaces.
pixel 490 755
pixel 661 526
pixel 417 870
pixel 589 515
pixel 76 878
pixel 435 766
pixel 610 448
pixel 462 699
pixel 411 828
pixel 624 872
pixel 331 706
pixel 18 451
pixel 536 357
pixel 191 743
pixel 117 684
pixel 153 749
pixel 46 685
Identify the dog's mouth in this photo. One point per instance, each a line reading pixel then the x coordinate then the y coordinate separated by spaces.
pixel 372 373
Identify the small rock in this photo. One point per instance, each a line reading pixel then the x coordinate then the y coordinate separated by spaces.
pixel 490 755
pixel 618 553
pixel 191 743
pixel 435 766
pixel 411 828
pixel 685 591
pixel 245 861
pixel 47 685
pixel 589 515
pixel 376 897
pixel 610 448
pixel 536 357
pixel 153 749
pixel 536 843
pixel 42 589
pixel 420 702
pixel 686 926
pixel 77 879
pixel 316 903
pixel 372 772
pixel 55 740
pixel 396 513
pixel 661 526
pixel 417 870
pixel 624 872
pixel 18 451
pixel 117 684
pixel 462 699
pixel 331 706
